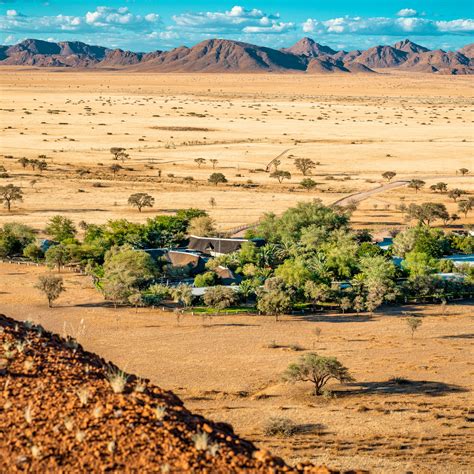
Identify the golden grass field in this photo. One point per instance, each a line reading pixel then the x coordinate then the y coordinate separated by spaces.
pixel 357 127
pixel 226 370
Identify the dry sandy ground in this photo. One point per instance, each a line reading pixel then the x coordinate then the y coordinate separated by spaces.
pixel 225 370
pixel 356 126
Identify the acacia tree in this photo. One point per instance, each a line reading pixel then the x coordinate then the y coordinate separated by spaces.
pixel 464 171
pixel 305 165
pixel 199 161
pixel 465 206
pixel 217 178
pixel 427 212
pixel 141 200
pixel 389 175
pixel 441 187
pixel 414 323
pixel 214 163
pixel 116 151
pixel 273 299
pixel 9 194
pixel 115 168
pixel 318 370
pixel 280 175
pixel 416 184
pixel 51 286
pixel 456 193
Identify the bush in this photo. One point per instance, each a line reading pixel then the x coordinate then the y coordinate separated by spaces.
pixel 205 279
pixel 279 426
pixel 220 297
pixel 33 252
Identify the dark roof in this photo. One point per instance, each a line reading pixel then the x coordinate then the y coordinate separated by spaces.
pixel 211 245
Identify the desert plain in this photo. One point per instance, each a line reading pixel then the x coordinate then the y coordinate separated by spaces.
pixel 410 408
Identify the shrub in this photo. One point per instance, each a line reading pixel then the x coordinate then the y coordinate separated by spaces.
pixel 205 279
pixel 279 426
pixel 220 297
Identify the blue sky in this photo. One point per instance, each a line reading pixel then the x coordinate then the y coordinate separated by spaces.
pixel 149 25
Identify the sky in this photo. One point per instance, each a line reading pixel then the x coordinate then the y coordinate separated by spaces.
pixel 141 25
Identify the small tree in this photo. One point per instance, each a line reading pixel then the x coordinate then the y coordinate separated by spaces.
pixel 183 294
pixel 115 168
pixel 214 163
pixel 318 370
pixel 24 162
pixel 273 302
pixel 280 175
pixel 414 323
pixel 465 206
pixel 220 297
pixel 345 304
pixel 305 165
pixel 57 256
pixel 212 202
pixel 116 151
pixel 42 165
pixel 308 184
pixel 10 193
pixel 61 228
pixel 202 226
pixel 141 200
pixel 416 184
pixel 464 171
pixel 389 175
pixel 455 193
pixel 199 161
pixel 51 286
pixel 217 178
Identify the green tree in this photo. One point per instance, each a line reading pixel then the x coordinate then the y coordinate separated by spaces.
pixel 455 194
pixel 33 252
pixel 217 178
pixel 419 264
pixel 416 184
pixel 14 237
pixel 318 370
pixel 141 200
pixel 51 286
pixel 317 292
pixel 220 297
pixel 60 228
pixel 308 184
pixel 280 175
pixel 294 273
pixel 57 256
pixel 10 193
pixel 115 168
pixel 427 212
pixel 465 206
pixel 273 299
pixel 205 279
pixel 126 270
pixel 389 175
pixel 305 165
pixel 199 161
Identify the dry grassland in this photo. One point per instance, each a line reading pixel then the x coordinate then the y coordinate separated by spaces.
pixel 356 126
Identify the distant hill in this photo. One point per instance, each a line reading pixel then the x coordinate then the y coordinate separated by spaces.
pixel 219 55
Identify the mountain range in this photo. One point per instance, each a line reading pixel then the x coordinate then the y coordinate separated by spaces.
pixel 219 55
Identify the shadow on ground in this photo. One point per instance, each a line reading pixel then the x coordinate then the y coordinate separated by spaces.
pixel 402 386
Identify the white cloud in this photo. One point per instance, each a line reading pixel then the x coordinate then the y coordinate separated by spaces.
pixel 236 20
pixel 380 26
pixel 407 12
pixel 12 13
